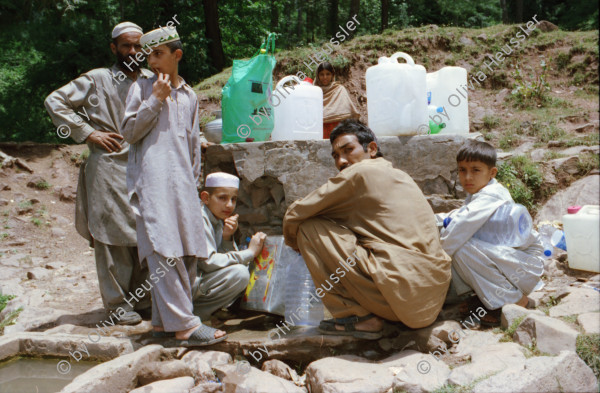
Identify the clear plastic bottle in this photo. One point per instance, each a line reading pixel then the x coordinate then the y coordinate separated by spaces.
pixel 510 225
pixel 300 307
pixel 546 235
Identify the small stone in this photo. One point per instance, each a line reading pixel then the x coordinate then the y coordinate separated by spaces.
pixel 67 194
pixel 589 322
pixel 578 301
pixel 466 41
pixel 482 37
pixel 589 127
pixel 511 312
pixel 38 273
pixel 556 143
pixel 38 182
pixel 58 232
pixel 55 265
pixel 157 371
pixel 551 335
pixel 175 385
pixel 280 369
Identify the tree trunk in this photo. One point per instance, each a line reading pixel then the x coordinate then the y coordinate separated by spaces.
pixel 519 11
pixel 274 16
pixel 213 34
pixel 288 23
pixel 299 7
pixel 354 7
pixel 504 12
pixel 385 11
pixel 332 17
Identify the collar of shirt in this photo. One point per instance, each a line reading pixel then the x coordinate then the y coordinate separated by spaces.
pixel 144 73
pixel 211 217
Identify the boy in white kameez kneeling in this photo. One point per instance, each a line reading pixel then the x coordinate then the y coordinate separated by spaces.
pixel 498 274
pixel 224 275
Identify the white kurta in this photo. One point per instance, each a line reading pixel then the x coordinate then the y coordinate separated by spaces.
pixel 163 170
pixel 498 274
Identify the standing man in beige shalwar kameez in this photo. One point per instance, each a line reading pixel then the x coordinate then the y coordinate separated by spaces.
pixel 91 108
pixel 375 218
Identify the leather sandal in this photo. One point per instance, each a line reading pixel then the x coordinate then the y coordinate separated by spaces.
pixel 328 327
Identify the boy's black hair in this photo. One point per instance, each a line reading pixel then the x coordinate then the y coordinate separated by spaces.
pixel 174 45
pixel 355 127
pixel 477 151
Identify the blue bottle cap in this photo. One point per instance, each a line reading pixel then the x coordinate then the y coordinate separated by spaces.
pixel 548 253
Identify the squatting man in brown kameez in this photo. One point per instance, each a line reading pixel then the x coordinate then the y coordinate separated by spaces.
pixel 376 216
pixel 92 107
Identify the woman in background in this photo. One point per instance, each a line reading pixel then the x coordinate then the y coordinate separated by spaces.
pixel 337 105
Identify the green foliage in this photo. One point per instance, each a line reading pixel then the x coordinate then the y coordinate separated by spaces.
pixel 588 349
pixel 522 178
pixel 490 122
pixel 42 185
pixel 533 91
pixel 587 163
pixel 4 299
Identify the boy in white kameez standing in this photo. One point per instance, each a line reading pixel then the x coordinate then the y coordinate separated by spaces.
pixel 163 172
pixel 498 274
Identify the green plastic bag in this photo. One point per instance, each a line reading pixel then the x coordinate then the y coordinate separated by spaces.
pixel 247 112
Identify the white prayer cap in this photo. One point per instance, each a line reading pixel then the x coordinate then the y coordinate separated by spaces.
pixel 222 179
pixel 162 35
pixel 126 27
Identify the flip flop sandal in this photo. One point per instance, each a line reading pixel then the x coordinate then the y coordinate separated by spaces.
pixel 163 334
pixel 201 337
pixel 328 327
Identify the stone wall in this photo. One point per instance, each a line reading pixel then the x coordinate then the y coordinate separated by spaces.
pixel 274 174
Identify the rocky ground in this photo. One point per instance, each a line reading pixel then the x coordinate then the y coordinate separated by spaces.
pixel 50 270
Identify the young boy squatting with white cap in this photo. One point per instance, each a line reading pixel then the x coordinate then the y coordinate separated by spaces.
pixel 224 275
pixel 163 174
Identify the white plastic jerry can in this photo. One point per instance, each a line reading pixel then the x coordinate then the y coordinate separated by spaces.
pixel 448 88
pixel 396 96
pixel 582 234
pixel 298 110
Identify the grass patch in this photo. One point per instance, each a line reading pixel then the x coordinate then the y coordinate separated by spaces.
pixel 570 319
pixel 25 204
pixel 588 140
pixel 510 331
pixel 4 235
pixel 588 349
pixel 523 179
pixel 4 299
pixel 43 185
pixel 37 222
pixel 551 155
pixel 587 163
pixel 9 319
pixel 490 122
pixel 508 140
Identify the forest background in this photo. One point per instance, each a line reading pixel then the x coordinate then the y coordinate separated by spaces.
pixel 46 43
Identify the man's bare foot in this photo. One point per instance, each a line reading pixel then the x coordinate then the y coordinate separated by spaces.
pixel 185 334
pixel 523 302
pixel 374 324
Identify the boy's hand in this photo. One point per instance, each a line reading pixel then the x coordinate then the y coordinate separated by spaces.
pixel 161 89
pixel 257 243
pixel 230 225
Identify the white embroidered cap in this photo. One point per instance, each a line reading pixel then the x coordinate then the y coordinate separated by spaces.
pixel 222 179
pixel 162 35
pixel 126 27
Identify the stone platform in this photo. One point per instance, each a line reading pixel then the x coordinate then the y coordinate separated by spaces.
pixel 275 174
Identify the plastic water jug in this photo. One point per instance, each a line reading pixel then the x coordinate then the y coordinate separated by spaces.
pixel 213 130
pixel 448 88
pixel 300 307
pixel 298 111
pixel 510 225
pixel 396 99
pixel 582 236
